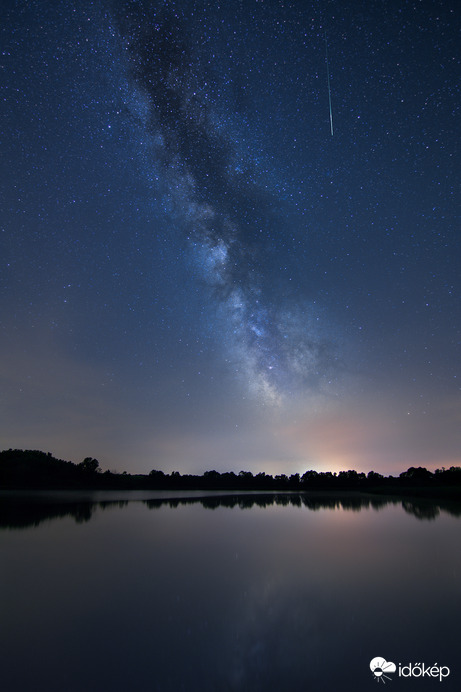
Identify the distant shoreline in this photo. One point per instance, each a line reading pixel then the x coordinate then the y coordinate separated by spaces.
pixel 29 470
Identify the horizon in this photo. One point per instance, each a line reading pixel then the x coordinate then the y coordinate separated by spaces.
pixel 254 474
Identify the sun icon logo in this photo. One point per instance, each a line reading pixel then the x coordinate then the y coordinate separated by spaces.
pixel 380 667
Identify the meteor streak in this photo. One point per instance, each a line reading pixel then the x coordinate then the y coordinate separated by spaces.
pixel 328 81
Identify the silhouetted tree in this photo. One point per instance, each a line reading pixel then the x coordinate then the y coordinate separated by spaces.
pixel 294 480
pixel 89 465
pixel 309 478
pixel 246 475
pixel 373 476
pixel 418 475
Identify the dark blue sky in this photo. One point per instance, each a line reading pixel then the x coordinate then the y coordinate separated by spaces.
pixel 195 273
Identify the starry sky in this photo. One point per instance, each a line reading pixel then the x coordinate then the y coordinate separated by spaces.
pixel 195 273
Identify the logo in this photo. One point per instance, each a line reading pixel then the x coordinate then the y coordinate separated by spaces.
pixel 380 669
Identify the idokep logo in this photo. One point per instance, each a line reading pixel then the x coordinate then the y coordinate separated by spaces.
pixel 380 668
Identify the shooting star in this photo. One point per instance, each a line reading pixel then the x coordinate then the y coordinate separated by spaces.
pixel 328 80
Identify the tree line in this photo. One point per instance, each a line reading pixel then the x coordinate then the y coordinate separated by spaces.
pixel 36 469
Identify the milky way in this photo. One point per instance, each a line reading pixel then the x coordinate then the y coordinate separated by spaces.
pixel 225 211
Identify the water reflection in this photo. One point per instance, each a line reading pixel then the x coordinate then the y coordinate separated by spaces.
pixel 22 512
pixel 228 593
pixel 18 511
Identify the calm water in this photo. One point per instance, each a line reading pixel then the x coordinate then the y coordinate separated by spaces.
pixel 97 594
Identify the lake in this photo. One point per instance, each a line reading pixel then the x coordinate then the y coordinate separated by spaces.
pixel 150 592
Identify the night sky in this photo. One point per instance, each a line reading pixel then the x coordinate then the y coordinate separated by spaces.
pixel 195 273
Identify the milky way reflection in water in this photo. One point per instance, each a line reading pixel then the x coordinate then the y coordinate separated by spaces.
pixel 238 593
